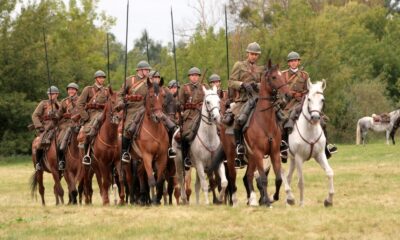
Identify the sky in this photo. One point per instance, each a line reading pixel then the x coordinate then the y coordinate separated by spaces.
pixel 155 17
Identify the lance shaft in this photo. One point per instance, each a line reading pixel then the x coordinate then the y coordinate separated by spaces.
pixel 126 66
pixel 108 60
pixel 48 69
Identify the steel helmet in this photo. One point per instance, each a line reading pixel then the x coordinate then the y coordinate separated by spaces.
pixel 173 83
pixel 253 48
pixel 99 73
pixel 73 85
pixel 213 78
pixel 143 65
pixel 293 56
pixel 154 74
pixel 52 89
pixel 194 70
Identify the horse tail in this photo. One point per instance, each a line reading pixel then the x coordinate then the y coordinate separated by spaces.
pixel 358 133
pixel 217 159
pixel 33 182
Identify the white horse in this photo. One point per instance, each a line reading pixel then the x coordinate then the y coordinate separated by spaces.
pixel 307 140
pixel 203 147
pixel 367 123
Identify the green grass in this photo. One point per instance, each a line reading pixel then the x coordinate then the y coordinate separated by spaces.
pixel 366 206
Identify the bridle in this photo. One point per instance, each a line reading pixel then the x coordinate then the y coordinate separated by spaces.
pixel 207 118
pixel 274 90
pixel 309 111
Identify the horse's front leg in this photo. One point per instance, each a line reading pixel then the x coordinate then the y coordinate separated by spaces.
pixel 387 137
pixel 323 162
pixel 252 201
pixel 147 161
pixel 197 188
pixel 203 180
pixel 300 184
pixel 263 180
pixel 224 181
pixel 161 166
pixel 39 176
pixel 58 189
pixel 105 184
pixel 276 164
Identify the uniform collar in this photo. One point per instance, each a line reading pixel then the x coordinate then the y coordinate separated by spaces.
pixel 295 70
pixel 98 86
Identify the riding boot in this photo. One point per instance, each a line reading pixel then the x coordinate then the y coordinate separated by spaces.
pixel 171 151
pixel 329 148
pixel 284 147
pixel 87 160
pixel 39 159
pixel 126 156
pixel 61 160
pixel 186 159
pixel 239 160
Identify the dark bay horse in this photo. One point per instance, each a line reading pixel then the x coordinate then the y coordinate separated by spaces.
pixel 150 148
pixel 263 137
pixel 104 152
pixel 50 165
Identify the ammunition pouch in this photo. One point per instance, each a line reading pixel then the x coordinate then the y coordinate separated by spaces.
pixel 45 139
pixel 96 106
pixel 134 98
pixel 192 106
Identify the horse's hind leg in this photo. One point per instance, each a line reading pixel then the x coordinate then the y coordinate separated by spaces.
pixel 58 190
pixel 39 176
pixel 323 162
pixel 300 184
pixel 197 189
pixel 224 181
pixel 203 181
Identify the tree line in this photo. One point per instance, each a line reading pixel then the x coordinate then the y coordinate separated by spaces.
pixel 351 44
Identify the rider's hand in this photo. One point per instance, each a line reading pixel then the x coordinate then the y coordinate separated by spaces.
pixel 248 87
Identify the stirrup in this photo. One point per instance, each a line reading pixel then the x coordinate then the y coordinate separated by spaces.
pixel 87 160
pixel 284 147
pixel 38 167
pixel 284 156
pixel 126 157
pixel 239 163
pixel 332 148
pixel 171 153
pixel 240 149
pixel 187 163
pixel 61 165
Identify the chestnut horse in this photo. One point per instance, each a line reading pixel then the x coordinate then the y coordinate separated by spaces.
pixel 104 152
pixel 263 137
pixel 49 164
pixel 150 148
pixel 73 172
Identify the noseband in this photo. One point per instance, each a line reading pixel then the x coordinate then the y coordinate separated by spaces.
pixel 207 119
pixel 321 113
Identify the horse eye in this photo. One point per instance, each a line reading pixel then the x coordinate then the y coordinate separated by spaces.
pixel 207 102
pixel 273 77
pixel 309 99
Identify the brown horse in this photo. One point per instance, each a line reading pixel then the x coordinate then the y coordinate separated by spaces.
pixel 104 152
pixel 73 169
pixel 264 137
pixel 49 164
pixel 150 147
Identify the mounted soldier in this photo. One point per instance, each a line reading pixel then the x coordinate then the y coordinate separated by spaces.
pixel 244 80
pixel 44 120
pixel 191 98
pixel 67 112
pixel 173 87
pixel 215 80
pixel 296 78
pixel 90 107
pixel 131 97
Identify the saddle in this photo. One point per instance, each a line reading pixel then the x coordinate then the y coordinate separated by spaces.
pixel 382 118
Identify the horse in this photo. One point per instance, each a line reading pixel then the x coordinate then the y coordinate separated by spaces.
pixel 263 137
pixel 203 147
pixel 73 169
pixel 104 152
pixel 150 147
pixel 307 140
pixel 367 123
pixel 49 164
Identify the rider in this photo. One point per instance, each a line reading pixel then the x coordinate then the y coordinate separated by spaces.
pixel 90 106
pixel 215 80
pixel 243 80
pixel 191 98
pixel 67 110
pixel 297 80
pixel 44 120
pixel 131 97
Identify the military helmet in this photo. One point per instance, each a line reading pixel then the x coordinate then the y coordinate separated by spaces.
pixel 99 73
pixel 194 70
pixel 253 48
pixel 52 89
pixel 214 77
pixel 293 56
pixel 173 83
pixel 73 85
pixel 143 65
pixel 154 74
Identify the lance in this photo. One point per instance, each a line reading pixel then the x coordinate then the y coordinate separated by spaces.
pixel 108 60
pixel 227 52
pixel 147 46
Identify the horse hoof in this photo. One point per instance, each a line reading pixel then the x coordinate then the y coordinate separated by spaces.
pixel 327 203
pixel 291 202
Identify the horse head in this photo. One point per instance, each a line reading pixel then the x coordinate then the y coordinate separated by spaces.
pixel 154 101
pixel 109 113
pixel 211 105
pixel 273 82
pixel 314 100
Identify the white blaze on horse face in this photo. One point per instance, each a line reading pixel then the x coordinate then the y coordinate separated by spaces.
pixel 315 100
pixel 279 73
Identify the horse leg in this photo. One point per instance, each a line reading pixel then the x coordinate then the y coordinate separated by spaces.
pixel 289 195
pixel 232 175
pixel 170 188
pixel 121 171
pixel 39 176
pixel 203 180
pixel 224 181
pixel 276 164
pixel 250 175
pixel 180 178
pixel 323 162
pixel 300 184
pixel 57 188
pixel 387 137
pixel 69 184
pixel 188 182
pixel 105 183
pixel 197 188
pixel 147 161
pixel 161 165
pixel 246 184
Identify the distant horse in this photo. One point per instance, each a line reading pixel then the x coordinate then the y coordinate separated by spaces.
pixel 73 169
pixel 104 152
pixel 263 137
pixel 150 147
pixel 203 147
pixel 49 164
pixel 367 123
pixel 308 141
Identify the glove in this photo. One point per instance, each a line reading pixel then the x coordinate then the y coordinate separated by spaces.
pixel 248 87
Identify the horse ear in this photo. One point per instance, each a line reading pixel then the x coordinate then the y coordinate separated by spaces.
pixel 204 88
pixel 309 83
pixel 148 83
pixel 323 84
pixel 214 88
pixel 161 82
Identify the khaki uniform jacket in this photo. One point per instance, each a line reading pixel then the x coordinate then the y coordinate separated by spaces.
pixel 191 98
pixel 92 101
pixel 67 110
pixel 40 116
pixel 297 83
pixel 243 72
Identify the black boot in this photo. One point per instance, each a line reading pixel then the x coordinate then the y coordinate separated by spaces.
pixel 186 159
pixel 239 160
pixel 171 151
pixel 87 160
pixel 61 160
pixel 126 156
pixel 39 159
pixel 284 147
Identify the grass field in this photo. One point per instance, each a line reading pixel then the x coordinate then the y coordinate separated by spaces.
pixel 366 206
